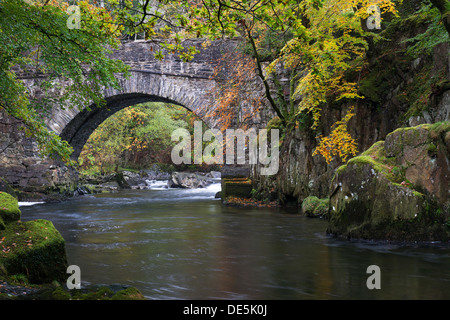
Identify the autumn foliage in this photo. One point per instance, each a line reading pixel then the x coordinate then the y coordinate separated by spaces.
pixel 134 137
pixel 339 143
pixel 235 101
pixel 317 43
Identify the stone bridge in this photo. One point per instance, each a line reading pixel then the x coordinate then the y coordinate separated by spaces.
pixel 171 80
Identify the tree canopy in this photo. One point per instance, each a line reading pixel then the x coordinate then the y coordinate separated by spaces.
pixel 318 42
pixel 35 36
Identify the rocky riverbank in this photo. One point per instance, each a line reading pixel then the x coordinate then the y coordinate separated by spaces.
pixel 396 190
pixel 145 179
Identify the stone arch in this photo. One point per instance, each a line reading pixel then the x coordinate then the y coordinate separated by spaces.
pixel 78 130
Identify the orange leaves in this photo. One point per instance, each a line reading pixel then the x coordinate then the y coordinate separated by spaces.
pixel 235 100
pixel 339 143
pixel 29 242
pixel 5 249
pixel 248 202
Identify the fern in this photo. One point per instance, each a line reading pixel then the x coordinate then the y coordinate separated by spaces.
pixel 435 34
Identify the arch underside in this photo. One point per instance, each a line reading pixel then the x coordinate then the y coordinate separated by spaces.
pixel 80 128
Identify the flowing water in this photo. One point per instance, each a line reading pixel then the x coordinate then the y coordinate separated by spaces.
pixel 183 244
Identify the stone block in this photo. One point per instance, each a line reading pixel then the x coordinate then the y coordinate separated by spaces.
pixel 241 188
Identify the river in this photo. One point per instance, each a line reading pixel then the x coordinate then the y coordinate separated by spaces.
pixel 183 244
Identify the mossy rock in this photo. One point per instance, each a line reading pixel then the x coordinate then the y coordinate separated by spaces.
pixel 95 293
pixel 312 206
pixel 412 136
pixel 385 193
pixel 364 204
pixel 9 208
pixel 103 292
pixel 60 294
pixel 34 248
pixel 128 294
pixel 5 187
pixel 55 291
pixel 439 129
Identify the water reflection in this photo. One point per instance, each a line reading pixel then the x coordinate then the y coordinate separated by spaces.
pixel 183 244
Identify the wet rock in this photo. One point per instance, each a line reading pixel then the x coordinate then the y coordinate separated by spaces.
pixel 214 174
pixel 156 173
pixel 189 180
pixel 81 190
pixel 397 190
pixel 133 179
pixel 315 207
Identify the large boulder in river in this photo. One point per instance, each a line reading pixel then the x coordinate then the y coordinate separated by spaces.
pixel 133 179
pixel 189 180
pixel 32 248
pixel 397 190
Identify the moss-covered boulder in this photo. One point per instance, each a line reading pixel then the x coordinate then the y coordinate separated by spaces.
pixel 9 209
pixel 103 292
pixel 422 152
pixel 398 189
pixel 35 249
pixel 314 207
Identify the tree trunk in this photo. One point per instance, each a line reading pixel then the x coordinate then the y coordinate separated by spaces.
pixel 444 8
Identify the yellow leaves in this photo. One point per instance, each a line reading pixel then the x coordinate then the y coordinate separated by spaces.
pixel 339 143
pixel 333 44
pixel 365 8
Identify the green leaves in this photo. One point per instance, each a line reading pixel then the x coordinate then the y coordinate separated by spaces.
pixel 135 136
pixel 435 33
pixel 36 37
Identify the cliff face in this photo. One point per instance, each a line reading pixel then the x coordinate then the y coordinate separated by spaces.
pixel 400 91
